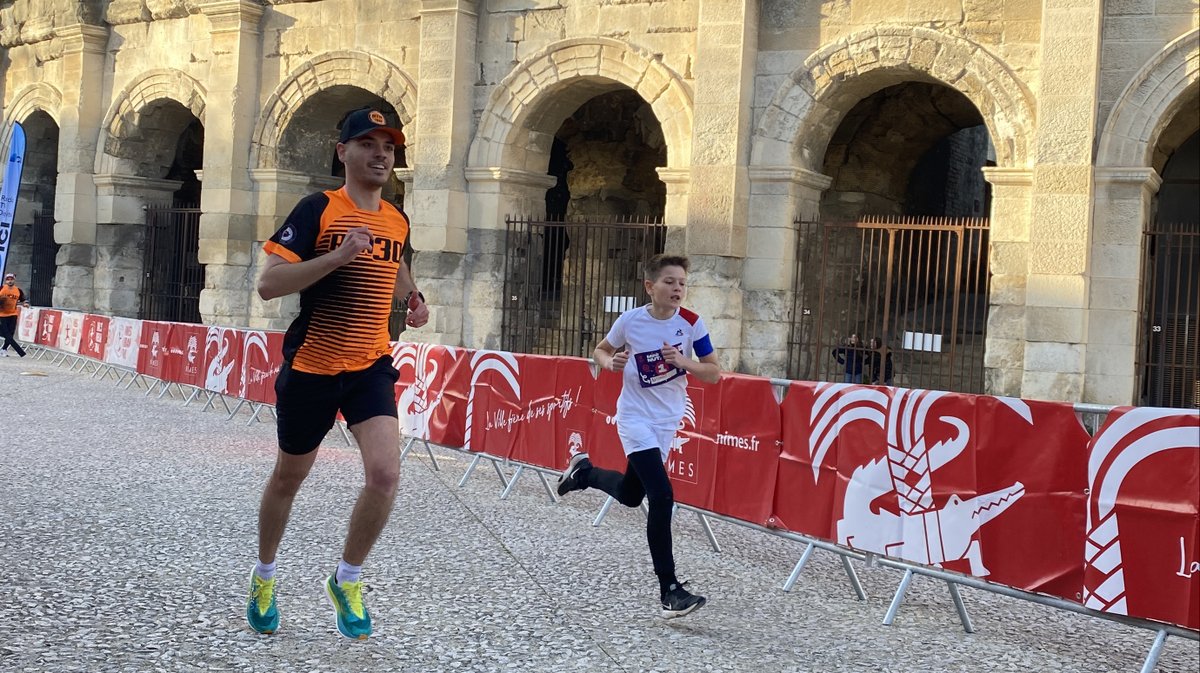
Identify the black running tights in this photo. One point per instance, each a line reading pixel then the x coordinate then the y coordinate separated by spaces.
pixel 8 328
pixel 645 477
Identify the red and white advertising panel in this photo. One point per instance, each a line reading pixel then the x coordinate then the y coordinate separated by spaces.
pixel 152 359
pixel 524 427
pixel 749 440
pixel 185 355
pixel 434 387
pixel 27 325
pixel 223 360
pixel 692 459
pixel 262 357
pixel 575 412
pixel 48 323
pixel 494 403
pixel 70 331
pixel 95 336
pixel 124 335
pixel 604 445
pixel 1142 551
pixel 960 481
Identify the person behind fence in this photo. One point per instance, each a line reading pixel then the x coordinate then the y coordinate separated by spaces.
pixel 879 363
pixel 11 299
pixel 852 356
pixel 652 347
pixel 342 251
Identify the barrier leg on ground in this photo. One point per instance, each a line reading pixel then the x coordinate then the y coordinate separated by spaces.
pixel 474 463
pixel 708 532
pixel 345 433
pixel 428 450
pixel 791 580
pixel 517 475
pixel 954 595
pixel 853 575
pixel 1155 652
pixel 236 409
pixel 546 485
pixel 608 503
pixel 194 395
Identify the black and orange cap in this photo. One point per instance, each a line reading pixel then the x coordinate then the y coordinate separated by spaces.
pixel 365 120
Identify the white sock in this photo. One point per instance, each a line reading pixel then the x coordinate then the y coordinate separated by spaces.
pixel 264 571
pixel 347 572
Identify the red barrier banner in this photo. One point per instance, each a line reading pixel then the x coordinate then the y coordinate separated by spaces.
pixel 692 460
pixel 1142 551
pixel 223 360
pixel 124 337
pixel 95 336
pixel 749 441
pixel 959 481
pixel 27 326
pixel 434 387
pixel 48 327
pixel 262 358
pixel 526 427
pixel 152 358
pixel 494 403
pixel 70 331
pixel 575 412
pixel 185 354
pixel 604 445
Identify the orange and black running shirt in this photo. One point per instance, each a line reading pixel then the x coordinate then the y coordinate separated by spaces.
pixel 343 321
pixel 9 298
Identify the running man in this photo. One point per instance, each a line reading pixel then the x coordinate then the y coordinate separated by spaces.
pixel 11 299
pixel 342 251
pixel 662 337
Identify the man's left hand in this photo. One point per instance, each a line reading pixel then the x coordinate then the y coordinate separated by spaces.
pixel 418 312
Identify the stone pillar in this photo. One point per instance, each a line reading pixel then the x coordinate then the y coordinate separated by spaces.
pixel 79 121
pixel 1124 200
pixel 495 193
pixel 726 54
pixel 227 227
pixel 778 196
pixel 120 236
pixel 1056 293
pixel 444 128
pixel 1008 262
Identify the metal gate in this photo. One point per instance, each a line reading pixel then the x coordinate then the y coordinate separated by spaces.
pixel 566 281
pixel 172 275
pixel 44 262
pixel 1169 353
pixel 913 290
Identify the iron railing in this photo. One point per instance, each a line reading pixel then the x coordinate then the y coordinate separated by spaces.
pixel 566 281
pixel 916 285
pixel 43 264
pixel 1168 361
pixel 172 275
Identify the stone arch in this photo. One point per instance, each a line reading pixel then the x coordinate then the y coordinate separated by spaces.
pixel 125 115
pixel 1149 103
pixel 549 86
pixel 39 96
pixel 335 68
pixel 800 120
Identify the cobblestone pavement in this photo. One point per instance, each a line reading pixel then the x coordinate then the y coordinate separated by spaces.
pixel 127 532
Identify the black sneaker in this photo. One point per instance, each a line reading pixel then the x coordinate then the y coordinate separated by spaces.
pixel 678 602
pixel 567 481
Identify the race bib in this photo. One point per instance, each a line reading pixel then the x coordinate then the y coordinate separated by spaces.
pixel 653 369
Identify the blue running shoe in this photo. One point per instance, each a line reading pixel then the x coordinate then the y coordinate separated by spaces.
pixel 261 613
pixel 353 620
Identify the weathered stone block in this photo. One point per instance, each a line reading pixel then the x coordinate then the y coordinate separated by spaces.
pixel 1052 386
pixel 1113 390
pixel 1061 325
pixel 1054 357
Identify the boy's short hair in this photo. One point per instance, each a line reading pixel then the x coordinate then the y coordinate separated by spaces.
pixel 654 266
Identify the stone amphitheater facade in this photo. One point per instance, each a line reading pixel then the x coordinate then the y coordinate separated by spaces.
pixel 1080 99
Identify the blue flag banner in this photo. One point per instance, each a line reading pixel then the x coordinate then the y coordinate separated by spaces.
pixel 8 194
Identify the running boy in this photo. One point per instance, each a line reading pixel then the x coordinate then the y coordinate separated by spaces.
pixel 660 339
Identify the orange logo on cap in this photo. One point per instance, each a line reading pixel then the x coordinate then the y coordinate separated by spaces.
pixel 377 117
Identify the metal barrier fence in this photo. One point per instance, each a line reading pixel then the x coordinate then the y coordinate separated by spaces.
pixel 1091 416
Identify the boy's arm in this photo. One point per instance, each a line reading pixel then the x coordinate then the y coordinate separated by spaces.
pixel 606 356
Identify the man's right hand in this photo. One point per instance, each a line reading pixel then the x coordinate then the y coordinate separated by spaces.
pixel 617 363
pixel 357 240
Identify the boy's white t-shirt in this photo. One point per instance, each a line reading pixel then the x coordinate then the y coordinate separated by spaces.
pixel 654 393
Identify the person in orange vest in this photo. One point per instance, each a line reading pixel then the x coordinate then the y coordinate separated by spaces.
pixel 11 297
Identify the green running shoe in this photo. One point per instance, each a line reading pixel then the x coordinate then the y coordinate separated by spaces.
pixel 353 621
pixel 261 612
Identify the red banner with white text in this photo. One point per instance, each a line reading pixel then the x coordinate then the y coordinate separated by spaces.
pixel 48 322
pixel 433 391
pixel 95 336
pixel 262 358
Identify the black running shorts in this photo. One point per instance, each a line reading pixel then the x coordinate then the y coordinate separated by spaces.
pixel 307 404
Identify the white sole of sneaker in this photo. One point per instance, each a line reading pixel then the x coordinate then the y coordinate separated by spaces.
pixel 675 614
